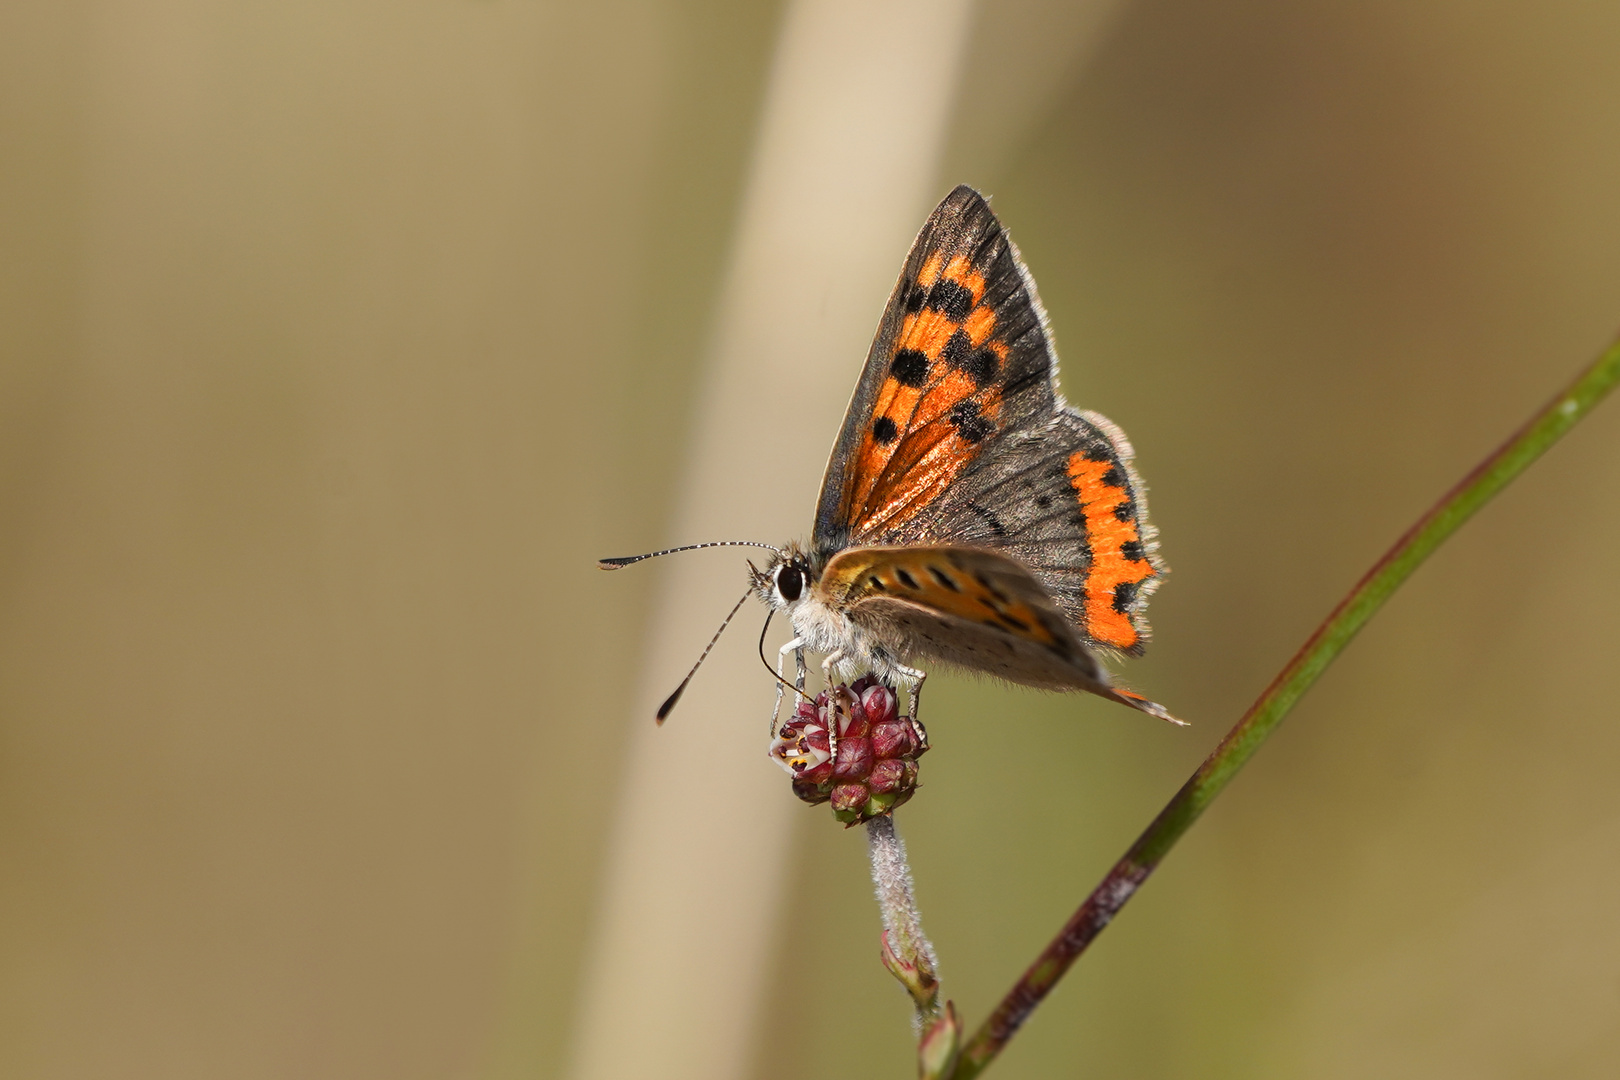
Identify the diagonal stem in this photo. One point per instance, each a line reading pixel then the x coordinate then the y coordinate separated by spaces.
pixel 1443 519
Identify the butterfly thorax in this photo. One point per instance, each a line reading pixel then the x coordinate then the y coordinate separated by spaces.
pixel 791 583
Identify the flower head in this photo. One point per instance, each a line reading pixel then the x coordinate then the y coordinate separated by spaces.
pixel 874 768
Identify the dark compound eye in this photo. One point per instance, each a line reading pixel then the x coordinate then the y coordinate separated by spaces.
pixel 789 582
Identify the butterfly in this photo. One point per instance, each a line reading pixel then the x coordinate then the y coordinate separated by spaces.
pixel 968 515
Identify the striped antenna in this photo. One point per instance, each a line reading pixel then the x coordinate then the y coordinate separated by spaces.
pixel 626 560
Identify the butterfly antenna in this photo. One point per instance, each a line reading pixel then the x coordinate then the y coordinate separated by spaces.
pixel 626 560
pixel 762 632
pixel 669 702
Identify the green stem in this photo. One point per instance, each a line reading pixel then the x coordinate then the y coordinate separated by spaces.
pixel 1324 646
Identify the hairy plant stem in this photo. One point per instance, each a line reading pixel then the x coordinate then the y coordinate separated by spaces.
pixel 907 952
pixel 1240 744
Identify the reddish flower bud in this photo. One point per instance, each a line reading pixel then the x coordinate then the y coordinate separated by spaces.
pixel 893 739
pixel 887 775
pixel 879 703
pixel 849 798
pixel 854 758
pixel 875 767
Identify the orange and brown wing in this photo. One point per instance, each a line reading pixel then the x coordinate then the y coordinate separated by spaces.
pixel 960 359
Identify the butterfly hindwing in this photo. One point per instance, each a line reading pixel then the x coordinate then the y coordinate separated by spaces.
pixel 1066 503
pixel 968 606
pixel 960 359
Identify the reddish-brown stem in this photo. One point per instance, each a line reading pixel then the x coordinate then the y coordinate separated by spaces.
pixel 1240 744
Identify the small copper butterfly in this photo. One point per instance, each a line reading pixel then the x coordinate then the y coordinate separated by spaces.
pixel 968 514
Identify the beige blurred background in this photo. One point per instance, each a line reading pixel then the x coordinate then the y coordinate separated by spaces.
pixel 340 338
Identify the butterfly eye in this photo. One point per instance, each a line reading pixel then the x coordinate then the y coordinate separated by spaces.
pixel 789 582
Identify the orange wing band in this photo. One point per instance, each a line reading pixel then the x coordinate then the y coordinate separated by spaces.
pixel 1118 563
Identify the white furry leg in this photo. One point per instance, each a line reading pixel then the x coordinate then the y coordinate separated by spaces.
pixel 796 646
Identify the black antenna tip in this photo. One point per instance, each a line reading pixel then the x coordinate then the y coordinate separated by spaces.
pixel 626 560
pixel 669 703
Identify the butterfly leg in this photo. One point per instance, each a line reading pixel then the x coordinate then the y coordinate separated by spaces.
pixel 796 647
pixel 832 700
pixel 916 678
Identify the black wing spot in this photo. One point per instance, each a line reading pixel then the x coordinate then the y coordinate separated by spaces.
pixel 1114 478
pixel 905 578
pixel 884 430
pixel 877 583
pixel 1125 511
pixel 1132 550
pixel 916 295
pixel 983 367
pixel 1125 596
pixel 1043 501
pixel 980 365
pixel 970 424
pixel 909 368
pixel 1013 621
pixel 944 579
pixel 952 299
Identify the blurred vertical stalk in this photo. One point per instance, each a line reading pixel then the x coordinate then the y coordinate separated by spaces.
pixel 843 168
pixel 1459 504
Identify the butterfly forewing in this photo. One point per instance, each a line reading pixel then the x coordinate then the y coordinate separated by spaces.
pixel 959 359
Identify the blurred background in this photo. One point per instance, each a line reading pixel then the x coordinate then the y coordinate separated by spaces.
pixel 337 340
